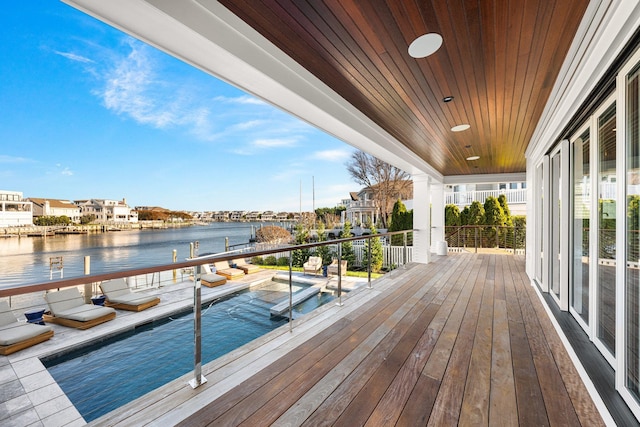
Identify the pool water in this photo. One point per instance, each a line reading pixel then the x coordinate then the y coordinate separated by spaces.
pixel 106 375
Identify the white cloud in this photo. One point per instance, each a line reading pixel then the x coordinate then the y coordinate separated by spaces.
pixel 338 155
pixel 74 57
pixel 275 142
pixel 13 159
pixel 66 172
pixel 243 100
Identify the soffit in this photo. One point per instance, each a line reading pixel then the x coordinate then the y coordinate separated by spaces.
pixel 499 60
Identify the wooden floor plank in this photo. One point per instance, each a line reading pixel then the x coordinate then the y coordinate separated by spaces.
pixel 475 403
pixel 446 409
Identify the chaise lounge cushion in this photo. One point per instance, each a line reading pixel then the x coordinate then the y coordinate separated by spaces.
pixel 17 332
pixel 69 304
pixel 12 331
pixel 118 292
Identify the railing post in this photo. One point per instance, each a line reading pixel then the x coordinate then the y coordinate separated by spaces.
pixel 476 236
pixel 404 249
pixel 290 292
pixel 369 267
pixel 339 274
pixel 515 239
pixel 198 378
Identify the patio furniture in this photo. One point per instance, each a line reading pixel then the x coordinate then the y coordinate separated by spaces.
pixel 243 265
pixel 333 267
pixel 313 265
pixel 223 269
pixel 210 279
pixel 119 295
pixel 15 336
pixel 67 308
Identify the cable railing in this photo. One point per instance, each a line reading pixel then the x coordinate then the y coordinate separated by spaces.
pixel 484 237
pixel 179 285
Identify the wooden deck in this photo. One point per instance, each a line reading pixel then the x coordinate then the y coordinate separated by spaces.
pixel 462 341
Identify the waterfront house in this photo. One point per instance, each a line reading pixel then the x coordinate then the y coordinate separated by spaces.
pixel 238 215
pixel 108 211
pixel 463 195
pixel 55 207
pixel 478 91
pixel 14 210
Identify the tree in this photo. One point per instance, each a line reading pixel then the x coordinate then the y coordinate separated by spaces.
pixel 87 219
pixel 300 256
pixel 386 181
pixel 400 220
pixel 323 252
pixel 347 247
pixel 494 217
pixel 451 215
pixel 376 249
pixel 502 199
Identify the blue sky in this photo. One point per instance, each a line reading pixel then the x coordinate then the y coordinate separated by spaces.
pixel 89 112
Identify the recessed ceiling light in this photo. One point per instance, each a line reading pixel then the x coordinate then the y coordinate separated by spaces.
pixel 473 158
pixel 467 146
pixel 460 128
pixel 447 99
pixel 425 45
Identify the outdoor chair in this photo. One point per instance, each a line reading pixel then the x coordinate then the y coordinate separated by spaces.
pixel 333 267
pixel 210 279
pixel 15 336
pixel 223 269
pixel 120 296
pixel 313 265
pixel 67 308
pixel 243 265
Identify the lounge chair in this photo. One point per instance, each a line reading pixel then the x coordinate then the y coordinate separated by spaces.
pixel 15 336
pixel 120 296
pixel 313 265
pixel 243 265
pixel 67 308
pixel 210 279
pixel 223 269
pixel 333 267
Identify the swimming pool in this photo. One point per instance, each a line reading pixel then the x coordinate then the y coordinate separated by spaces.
pixel 106 375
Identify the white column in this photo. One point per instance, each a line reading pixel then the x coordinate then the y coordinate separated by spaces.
pixel 421 219
pixel 437 214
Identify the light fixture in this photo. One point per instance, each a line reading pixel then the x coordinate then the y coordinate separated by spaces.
pixel 425 45
pixel 467 146
pixel 473 158
pixel 447 99
pixel 460 128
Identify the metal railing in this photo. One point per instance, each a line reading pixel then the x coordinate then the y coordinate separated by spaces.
pixel 167 274
pixel 475 237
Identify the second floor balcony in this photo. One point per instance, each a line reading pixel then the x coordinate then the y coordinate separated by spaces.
pixel 465 198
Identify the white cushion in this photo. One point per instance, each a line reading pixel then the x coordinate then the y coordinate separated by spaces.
pixel 132 299
pixel 115 288
pixel 11 334
pixel 63 300
pixel 85 312
pixel 6 315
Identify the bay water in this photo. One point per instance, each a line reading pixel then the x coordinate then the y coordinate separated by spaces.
pixel 25 260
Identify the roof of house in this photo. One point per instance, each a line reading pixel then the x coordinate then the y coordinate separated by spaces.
pixel 54 203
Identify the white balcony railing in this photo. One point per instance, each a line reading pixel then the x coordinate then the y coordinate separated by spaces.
pixel 464 198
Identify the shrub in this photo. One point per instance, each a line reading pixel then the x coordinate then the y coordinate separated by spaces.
pixel 273 234
pixel 451 215
pixel 270 260
pixel 283 261
pixel 257 260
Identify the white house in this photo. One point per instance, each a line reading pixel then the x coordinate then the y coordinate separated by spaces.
pixel 107 211
pixel 14 210
pixel 55 207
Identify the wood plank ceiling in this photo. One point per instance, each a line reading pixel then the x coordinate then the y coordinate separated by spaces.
pixel 499 60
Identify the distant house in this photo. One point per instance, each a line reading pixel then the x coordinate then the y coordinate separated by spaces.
pixel 268 216
pixel 363 206
pixel 253 216
pixel 14 210
pixel 106 211
pixel 55 207
pixel 238 215
pixel 221 216
pixel 282 216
